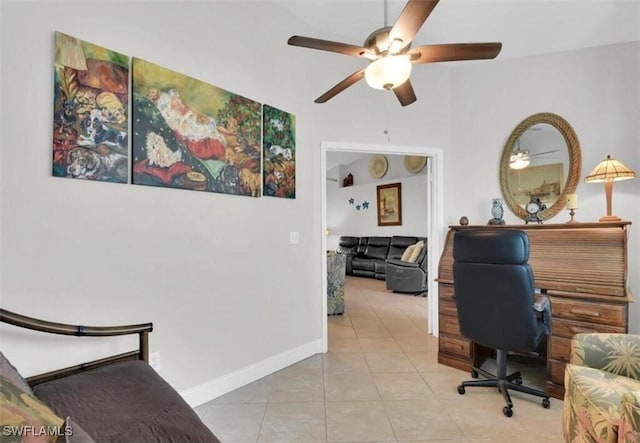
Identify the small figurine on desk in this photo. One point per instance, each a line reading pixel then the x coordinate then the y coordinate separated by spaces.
pixel 497 211
pixel 534 209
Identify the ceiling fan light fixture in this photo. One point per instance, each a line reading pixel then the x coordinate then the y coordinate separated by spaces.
pixel 519 161
pixel 388 72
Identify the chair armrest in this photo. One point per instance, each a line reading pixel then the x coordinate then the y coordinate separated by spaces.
pixel 542 307
pixel 405 264
pixel 615 353
pixel 540 302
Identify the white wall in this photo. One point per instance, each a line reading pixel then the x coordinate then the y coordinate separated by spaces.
pixel 345 219
pixel 230 298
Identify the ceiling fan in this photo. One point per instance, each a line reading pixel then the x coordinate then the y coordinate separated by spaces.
pixel 520 159
pixel 390 54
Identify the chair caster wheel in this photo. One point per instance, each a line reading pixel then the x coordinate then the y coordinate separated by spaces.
pixel 461 390
pixel 518 381
pixel 546 403
pixel 507 411
pixel 474 373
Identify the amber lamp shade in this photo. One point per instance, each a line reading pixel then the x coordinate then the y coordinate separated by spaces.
pixel 608 171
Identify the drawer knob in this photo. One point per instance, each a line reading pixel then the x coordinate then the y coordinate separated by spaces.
pixel 584 312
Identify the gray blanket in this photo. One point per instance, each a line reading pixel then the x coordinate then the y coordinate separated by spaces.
pixel 125 402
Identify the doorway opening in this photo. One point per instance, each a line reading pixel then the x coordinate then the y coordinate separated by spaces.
pixel 435 228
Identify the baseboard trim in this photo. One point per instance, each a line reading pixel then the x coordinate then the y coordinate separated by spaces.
pixel 216 387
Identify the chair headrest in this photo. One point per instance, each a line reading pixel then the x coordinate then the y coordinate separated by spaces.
pixel 499 246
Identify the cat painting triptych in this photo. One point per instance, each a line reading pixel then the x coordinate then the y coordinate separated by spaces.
pixel 184 133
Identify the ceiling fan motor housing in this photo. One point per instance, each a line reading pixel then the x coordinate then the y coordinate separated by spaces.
pixel 378 42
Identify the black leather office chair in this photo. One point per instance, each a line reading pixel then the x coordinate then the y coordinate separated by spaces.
pixel 497 307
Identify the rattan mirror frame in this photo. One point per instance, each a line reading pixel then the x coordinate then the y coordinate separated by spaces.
pixel 575 162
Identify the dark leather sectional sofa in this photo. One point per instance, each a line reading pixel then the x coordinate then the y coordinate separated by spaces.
pixel 379 257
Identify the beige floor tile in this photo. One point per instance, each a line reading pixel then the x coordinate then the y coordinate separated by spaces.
pixel 490 423
pixel 345 362
pixel 297 388
pixel 417 343
pixel 294 422
pixel 338 330
pixel 388 362
pixel 444 384
pixel 354 386
pixel 256 392
pixel 421 420
pixel 344 345
pixel 357 422
pixel 238 423
pixel 402 386
pixel 379 344
pixel 426 361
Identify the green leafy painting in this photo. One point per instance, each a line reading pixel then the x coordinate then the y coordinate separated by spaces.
pixel 279 151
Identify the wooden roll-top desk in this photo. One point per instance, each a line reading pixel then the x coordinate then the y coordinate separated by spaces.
pixel 583 269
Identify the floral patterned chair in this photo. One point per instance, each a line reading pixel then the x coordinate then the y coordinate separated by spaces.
pixel 602 389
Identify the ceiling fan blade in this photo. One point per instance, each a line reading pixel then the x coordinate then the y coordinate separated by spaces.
pixel 542 153
pixel 405 93
pixel 326 45
pixel 411 19
pixel 344 84
pixel 454 51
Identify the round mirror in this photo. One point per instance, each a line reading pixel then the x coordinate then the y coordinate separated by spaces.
pixel 540 160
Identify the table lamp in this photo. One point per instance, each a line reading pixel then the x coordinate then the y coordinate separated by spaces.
pixel 608 171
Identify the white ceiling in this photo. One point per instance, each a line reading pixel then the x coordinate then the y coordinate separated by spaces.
pixel 525 27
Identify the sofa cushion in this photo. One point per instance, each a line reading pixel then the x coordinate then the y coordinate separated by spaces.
pixel 379 252
pixel 378 247
pixel 347 245
pixel 417 251
pixel 22 411
pixel 130 393
pixel 362 245
pixel 595 397
pixel 399 244
pixel 362 263
pixel 407 253
pixel 9 371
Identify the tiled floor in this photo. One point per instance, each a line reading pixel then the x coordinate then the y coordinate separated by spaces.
pixel 379 382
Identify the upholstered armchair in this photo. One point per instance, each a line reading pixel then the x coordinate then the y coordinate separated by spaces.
pixel 602 389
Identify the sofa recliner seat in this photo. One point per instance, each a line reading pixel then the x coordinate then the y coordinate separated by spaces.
pixel 373 261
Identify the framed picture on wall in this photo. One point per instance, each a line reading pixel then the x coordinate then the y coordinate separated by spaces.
pixel 389 199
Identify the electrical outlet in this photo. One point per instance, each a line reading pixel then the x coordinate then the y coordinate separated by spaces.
pixel 154 361
pixel 294 237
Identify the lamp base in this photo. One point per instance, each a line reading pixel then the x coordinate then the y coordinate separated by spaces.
pixel 609 218
pixel 572 213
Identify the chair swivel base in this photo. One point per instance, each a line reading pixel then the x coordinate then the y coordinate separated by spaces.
pixel 504 382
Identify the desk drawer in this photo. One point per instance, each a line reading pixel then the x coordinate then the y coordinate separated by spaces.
pixel 601 313
pixel 556 371
pixel 569 328
pixel 448 307
pixel 449 325
pixel 451 344
pixel 445 291
pixel 560 348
